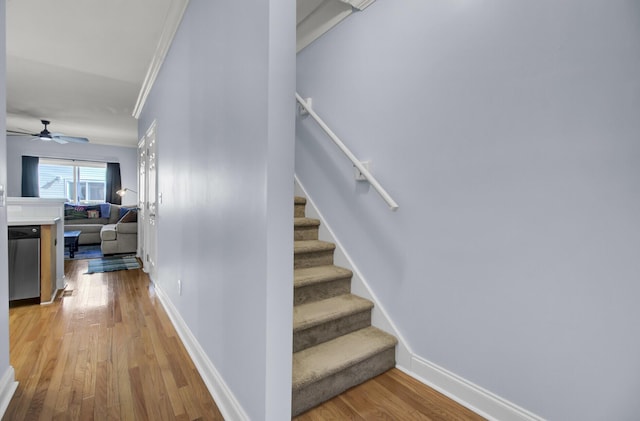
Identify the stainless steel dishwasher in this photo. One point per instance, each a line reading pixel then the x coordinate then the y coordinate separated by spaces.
pixel 24 264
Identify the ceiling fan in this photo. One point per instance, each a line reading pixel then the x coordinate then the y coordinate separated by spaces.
pixel 46 135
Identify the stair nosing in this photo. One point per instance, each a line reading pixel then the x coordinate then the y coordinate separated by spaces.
pixel 311 246
pixel 355 303
pixel 305 276
pixel 303 221
pixel 383 342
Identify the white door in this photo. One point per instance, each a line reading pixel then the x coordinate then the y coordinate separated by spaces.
pixel 142 200
pixel 151 196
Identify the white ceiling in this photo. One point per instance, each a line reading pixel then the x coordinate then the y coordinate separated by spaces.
pixel 80 64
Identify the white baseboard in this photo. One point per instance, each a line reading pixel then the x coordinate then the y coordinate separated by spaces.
pixel 225 400
pixel 8 386
pixel 464 392
pixel 53 298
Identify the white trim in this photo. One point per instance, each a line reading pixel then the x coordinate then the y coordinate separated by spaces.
pixel 466 393
pixel 323 18
pixel 224 398
pixel 8 386
pixel 312 24
pixel 359 4
pixel 53 298
pixel 171 24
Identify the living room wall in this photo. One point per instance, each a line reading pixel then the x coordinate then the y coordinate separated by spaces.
pixel 17 146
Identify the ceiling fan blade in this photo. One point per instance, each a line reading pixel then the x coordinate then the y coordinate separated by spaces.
pixel 71 139
pixel 46 136
pixel 20 133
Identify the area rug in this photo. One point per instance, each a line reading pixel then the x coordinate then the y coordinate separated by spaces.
pixel 113 263
pixel 91 251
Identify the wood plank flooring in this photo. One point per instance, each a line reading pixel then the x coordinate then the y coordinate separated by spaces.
pixel 104 350
pixel 390 396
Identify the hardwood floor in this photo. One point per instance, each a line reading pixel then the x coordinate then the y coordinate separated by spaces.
pixel 104 350
pixel 107 350
pixel 390 396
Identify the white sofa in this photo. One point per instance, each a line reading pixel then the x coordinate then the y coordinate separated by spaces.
pixel 106 230
pixel 90 227
pixel 121 237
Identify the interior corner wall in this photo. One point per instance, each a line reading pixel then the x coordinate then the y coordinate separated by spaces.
pixel 4 251
pixel 280 113
pixel 224 107
pixel 20 145
pixel 508 134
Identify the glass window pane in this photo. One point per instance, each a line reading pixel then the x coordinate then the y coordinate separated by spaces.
pixel 92 180
pixel 56 180
pixel 96 191
pixel 70 191
pixel 53 180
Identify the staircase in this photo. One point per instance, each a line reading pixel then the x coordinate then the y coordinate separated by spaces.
pixel 334 345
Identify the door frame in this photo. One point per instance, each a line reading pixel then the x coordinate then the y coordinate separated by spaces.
pixel 148 200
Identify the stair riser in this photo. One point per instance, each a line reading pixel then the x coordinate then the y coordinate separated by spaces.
pixel 321 291
pixel 318 258
pixel 298 211
pixel 324 389
pixel 305 233
pixel 332 329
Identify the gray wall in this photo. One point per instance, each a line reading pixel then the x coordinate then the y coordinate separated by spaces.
pixel 19 145
pixel 508 134
pixel 4 251
pixel 223 103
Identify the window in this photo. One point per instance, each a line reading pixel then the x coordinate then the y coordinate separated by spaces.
pixel 76 181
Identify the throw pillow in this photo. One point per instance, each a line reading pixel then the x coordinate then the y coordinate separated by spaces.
pixel 93 214
pixel 93 208
pixel 75 212
pixel 105 210
pixel 131 216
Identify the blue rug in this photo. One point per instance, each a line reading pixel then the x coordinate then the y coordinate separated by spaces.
pixel 113 263
pixel 90 251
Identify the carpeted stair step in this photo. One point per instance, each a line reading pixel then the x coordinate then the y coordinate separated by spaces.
pixel 321 321
pixel 320 282
pixel 312 253
pixel 298 206
pixel 305 229
pixel 328 369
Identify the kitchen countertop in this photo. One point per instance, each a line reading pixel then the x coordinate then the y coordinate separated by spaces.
pixel 32 220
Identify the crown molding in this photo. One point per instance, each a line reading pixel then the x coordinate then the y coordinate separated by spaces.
pixel 324 15
pixel 359 4
pixel 171 25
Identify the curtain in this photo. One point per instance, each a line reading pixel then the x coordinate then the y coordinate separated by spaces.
pixel 30 186
pixel 113 183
